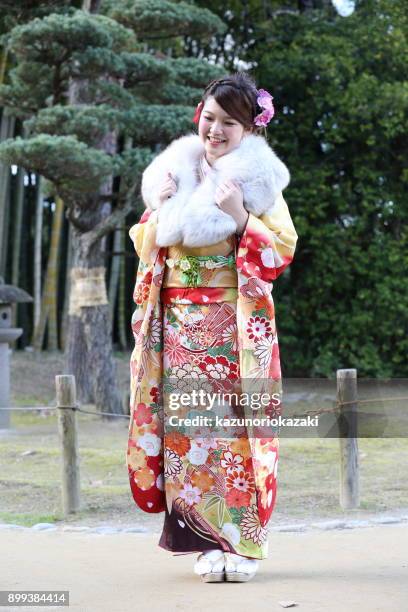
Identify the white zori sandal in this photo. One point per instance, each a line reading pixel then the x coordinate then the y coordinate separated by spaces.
pixel 239 569
pixel 210 566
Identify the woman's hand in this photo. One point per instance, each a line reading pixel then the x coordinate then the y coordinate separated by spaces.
pixel 230 199
pixel 168 189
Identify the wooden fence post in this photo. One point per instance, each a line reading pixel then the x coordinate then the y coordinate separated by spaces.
pixel 349 463
pixel 67 427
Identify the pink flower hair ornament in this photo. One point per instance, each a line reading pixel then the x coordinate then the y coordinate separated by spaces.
pixel 264 101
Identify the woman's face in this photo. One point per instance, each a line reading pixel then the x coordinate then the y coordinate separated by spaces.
pixel 219 132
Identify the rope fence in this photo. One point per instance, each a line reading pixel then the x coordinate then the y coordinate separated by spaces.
pixel 318 411
pixel 67 407
pixel 76 408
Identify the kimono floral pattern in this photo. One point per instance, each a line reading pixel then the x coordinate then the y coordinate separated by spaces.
pixel 209 481
pixel 218 489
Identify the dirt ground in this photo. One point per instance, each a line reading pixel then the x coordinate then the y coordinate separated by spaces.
pixel 359 570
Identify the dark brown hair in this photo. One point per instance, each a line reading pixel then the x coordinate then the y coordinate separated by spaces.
pixel 236 94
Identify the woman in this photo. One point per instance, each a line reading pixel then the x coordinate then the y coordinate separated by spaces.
pixel 215 234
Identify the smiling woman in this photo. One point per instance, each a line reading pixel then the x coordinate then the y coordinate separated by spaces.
pixel 224 118
pixel 216 233
pixel 219 132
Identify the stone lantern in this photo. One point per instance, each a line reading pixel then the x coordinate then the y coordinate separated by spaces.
pixel 8 295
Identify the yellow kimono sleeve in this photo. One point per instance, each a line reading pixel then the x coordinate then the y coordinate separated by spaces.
pixel 267 245
pixel 143 236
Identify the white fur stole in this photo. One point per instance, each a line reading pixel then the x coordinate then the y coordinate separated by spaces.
pixel 191 216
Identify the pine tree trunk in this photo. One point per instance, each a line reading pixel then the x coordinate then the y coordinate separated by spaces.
pixel 89 348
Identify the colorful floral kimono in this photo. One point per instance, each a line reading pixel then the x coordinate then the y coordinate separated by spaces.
pixel 206 314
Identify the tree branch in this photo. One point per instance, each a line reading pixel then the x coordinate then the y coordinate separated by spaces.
pixel 82 227
pixel 108 224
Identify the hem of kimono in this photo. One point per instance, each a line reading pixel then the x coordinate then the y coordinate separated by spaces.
pixel 196 550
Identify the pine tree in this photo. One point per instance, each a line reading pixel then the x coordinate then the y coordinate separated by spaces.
pixel 88 84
